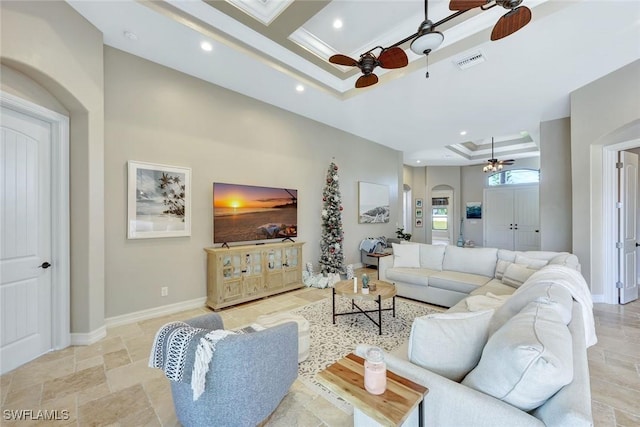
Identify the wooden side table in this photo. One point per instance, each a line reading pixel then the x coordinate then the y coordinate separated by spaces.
pixel 392 408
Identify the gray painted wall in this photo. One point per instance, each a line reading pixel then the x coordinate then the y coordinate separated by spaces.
pixel 159 115
pixel 555 185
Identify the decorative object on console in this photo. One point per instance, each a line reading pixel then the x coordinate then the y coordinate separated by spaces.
pixel 460 242
pixel 242 213
pixel 159 201
pixel 331 239
pixel 402 235
pixel 426 39
pixel 373 203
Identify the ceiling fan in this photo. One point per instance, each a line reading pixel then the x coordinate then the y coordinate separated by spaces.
pixel 494 164
pixel 426 39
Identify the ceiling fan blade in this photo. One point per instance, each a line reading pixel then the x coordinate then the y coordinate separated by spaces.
pixel 466 4
pixel 393 57
pixel 366 80
pixel 511 22
pixel 507 162
pixel 343 60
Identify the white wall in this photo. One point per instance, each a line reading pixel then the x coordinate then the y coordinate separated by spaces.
pixel 159 115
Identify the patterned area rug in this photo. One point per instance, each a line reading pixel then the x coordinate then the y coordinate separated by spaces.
pixel 331 342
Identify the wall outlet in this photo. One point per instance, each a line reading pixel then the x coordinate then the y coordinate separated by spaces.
pixel 164 291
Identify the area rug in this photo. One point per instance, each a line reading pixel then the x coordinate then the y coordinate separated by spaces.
pixel 331 342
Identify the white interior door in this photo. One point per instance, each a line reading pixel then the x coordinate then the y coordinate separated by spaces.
pixel 25 238
pixel 526 219
pixel 498 214
pixel 628 184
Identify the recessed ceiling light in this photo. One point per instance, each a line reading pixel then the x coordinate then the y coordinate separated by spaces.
pixel 524 133
pixel 300 88
pixel 130 35
pixel 337 24
pixel 418 161
pixel 463 133
pixel 206 46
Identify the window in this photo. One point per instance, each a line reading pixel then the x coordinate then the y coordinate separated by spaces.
pixel 514 176
pixel 439 218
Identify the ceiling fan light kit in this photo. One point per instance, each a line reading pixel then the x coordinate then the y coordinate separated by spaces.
pixel 496 165
pixel 426 39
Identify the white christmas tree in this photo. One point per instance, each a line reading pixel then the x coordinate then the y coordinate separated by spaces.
pixel 331 253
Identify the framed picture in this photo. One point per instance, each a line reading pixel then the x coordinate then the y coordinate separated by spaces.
pixel 474 210
pixel 373 203
pixel 418 213
pixel 418 222
pixel 159 201
pixel 418 203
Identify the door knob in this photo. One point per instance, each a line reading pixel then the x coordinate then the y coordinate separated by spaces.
pixel 637 244
pixel 44 265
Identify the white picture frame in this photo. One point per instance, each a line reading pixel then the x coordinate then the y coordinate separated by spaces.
pixel 158 201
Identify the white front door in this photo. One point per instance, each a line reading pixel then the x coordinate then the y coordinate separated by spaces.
pixel 499 221
pixel 628 182
pixel 25 238
pixel 527 219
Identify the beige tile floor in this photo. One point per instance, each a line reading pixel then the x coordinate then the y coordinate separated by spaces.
pixel 109 383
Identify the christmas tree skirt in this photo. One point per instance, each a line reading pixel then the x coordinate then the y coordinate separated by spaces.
pixel 331 342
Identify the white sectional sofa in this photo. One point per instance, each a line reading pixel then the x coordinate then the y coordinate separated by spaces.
pixel 444 275
pixel 512 351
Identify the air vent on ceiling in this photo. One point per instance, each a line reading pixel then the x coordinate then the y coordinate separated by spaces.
pixel 470 60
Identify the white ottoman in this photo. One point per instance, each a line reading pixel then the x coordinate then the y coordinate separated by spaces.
pixel 304 339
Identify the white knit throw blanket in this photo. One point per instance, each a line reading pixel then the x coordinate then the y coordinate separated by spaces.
pixel 170 351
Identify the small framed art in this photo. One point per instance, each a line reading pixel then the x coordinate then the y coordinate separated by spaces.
pixel 418 203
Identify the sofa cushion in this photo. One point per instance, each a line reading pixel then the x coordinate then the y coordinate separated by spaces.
pixel 456 281
pixel 507 255
pixel 516 274
pixel 413 276
pixel 555 297
pixel 501 266
pixel 566 259
pixel 527 360
pixel 480 261
pixel 406 255
pixel 533 263
pixel 449 344
pixel 431 256
pixel 495 287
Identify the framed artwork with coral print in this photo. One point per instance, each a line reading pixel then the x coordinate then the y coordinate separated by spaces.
pixel 159 201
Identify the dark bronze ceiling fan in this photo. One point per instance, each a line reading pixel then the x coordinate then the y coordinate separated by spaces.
pixel 426 39
pixel 493 164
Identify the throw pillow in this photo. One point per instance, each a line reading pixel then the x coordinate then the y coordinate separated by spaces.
pixel 406 255
pixel 501 266
pixel 527 360
pixel 449 344
pixel 516 274
pixel 533 263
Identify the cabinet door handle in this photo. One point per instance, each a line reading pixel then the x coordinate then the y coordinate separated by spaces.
pixel 44 265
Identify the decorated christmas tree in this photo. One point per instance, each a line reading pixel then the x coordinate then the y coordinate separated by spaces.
pixel 331 253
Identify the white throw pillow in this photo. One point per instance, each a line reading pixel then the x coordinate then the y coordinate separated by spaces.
pixel 516 274
pixel 406 255
pixel 449 344
pixel 533 263
pixel 527 360
pixel 501 266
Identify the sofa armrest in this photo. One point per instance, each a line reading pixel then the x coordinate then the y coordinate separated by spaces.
pixel 451 404
pixel 383 264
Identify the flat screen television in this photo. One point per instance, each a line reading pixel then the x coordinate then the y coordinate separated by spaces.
pixel 243 213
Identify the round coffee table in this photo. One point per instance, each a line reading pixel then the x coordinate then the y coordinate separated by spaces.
pixel 384 290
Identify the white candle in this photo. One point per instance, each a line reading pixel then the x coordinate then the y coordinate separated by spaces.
pixel 355 285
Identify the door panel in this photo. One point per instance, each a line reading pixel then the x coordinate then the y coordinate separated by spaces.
pixel 25 238
pixel 627 226
pixel 498 209
pixel 526 217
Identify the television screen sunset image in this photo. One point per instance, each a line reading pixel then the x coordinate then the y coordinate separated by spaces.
pixel 247 212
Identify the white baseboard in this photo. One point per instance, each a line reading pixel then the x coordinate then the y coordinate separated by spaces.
pixel 150 313
pixel 89 337
pixel 598 298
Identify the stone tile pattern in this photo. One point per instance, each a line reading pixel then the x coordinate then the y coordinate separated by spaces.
pixel 109 384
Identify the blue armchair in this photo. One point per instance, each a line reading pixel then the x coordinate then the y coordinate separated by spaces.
pixel 248 377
